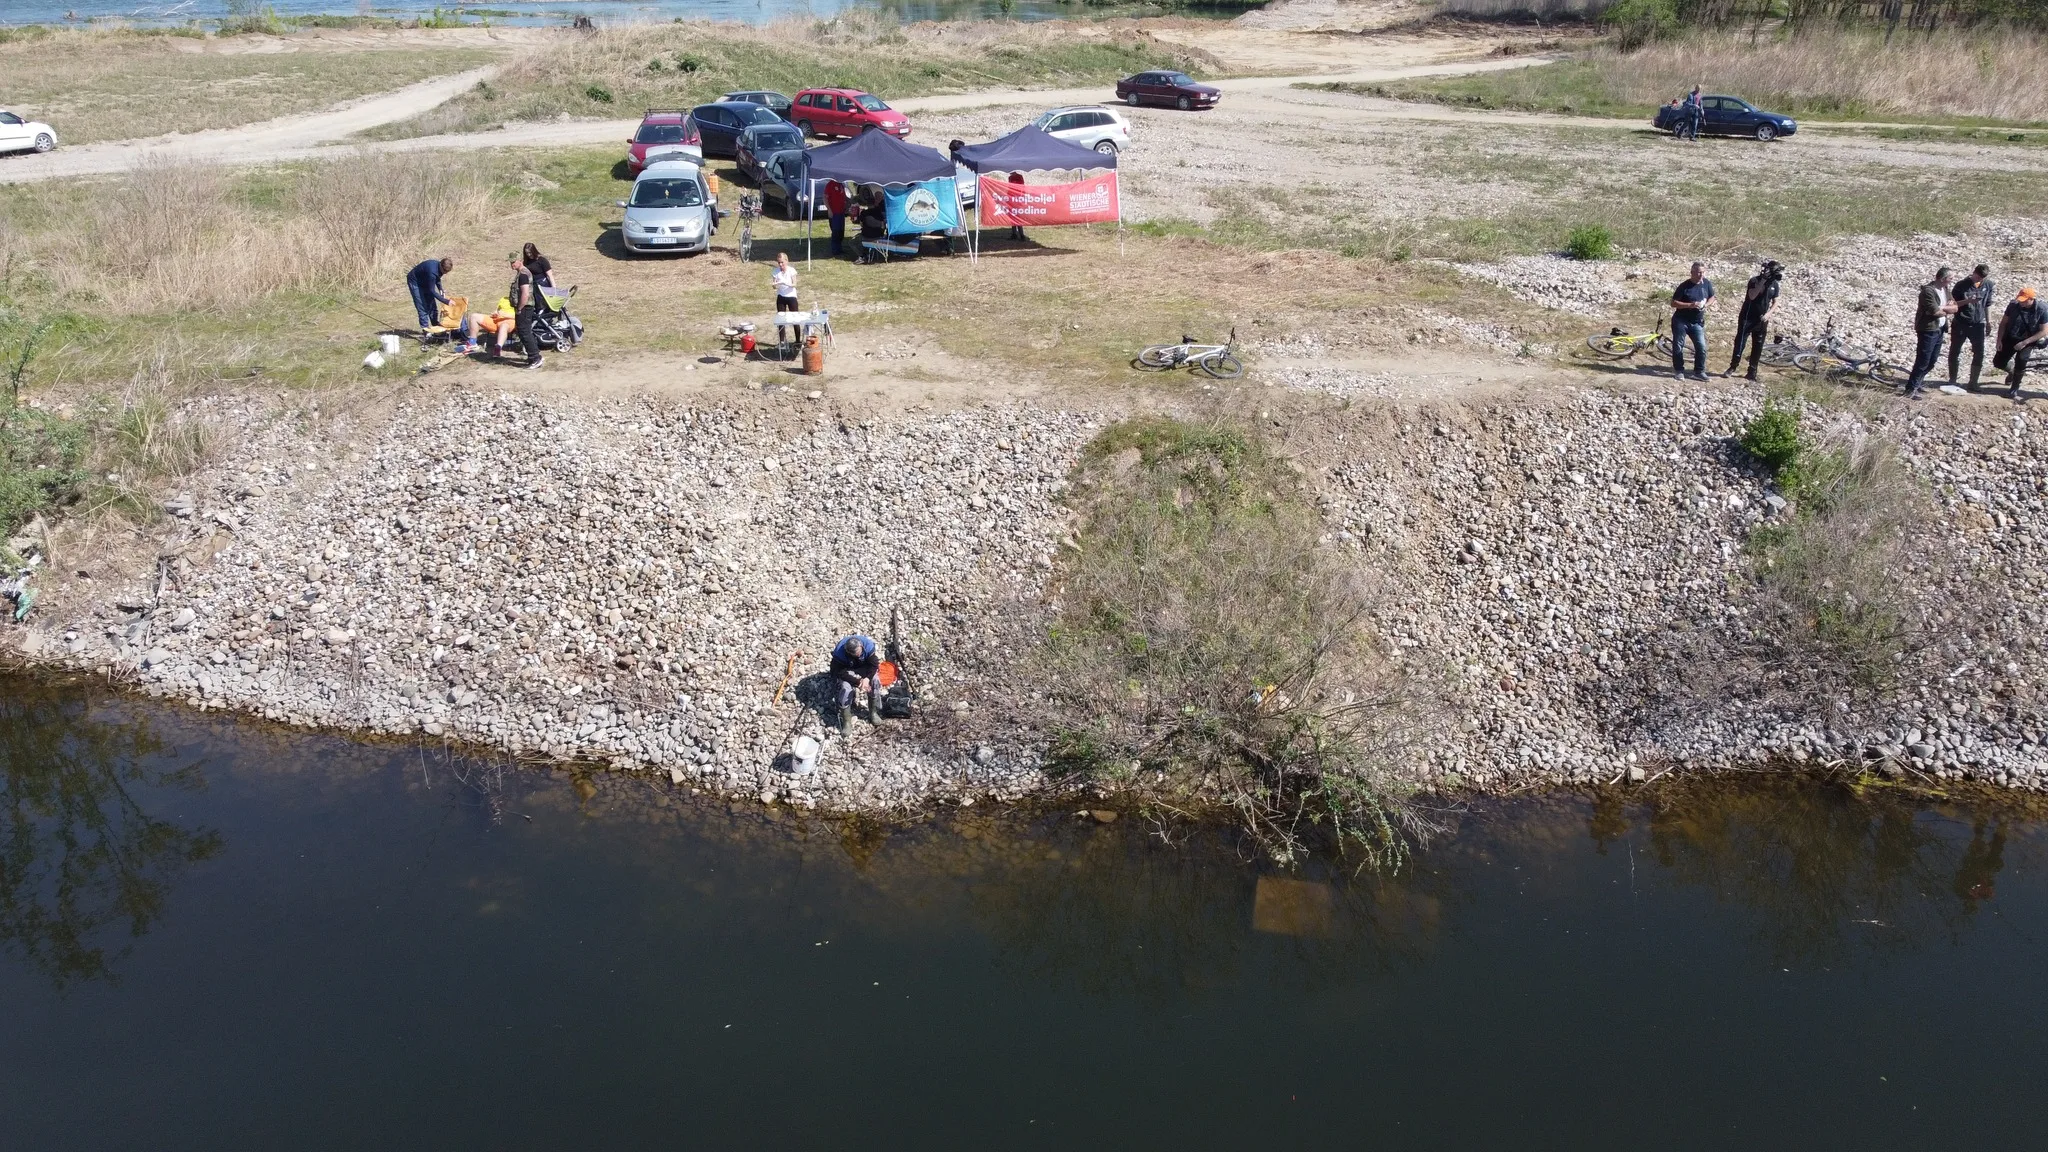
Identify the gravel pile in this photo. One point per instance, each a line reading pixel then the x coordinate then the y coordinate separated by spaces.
pixel 620 581
pixel 1867 289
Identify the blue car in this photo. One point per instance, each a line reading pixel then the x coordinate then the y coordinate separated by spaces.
pixel 721 124
pixel 1728 116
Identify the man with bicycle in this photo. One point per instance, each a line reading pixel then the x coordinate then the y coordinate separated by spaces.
pixel 1758 298
pixel 1930 326
pixel 1689 303
pixel 1973 314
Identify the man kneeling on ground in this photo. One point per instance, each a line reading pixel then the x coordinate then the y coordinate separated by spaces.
pixel 2022 331
pixel 854 659
pixel 424 282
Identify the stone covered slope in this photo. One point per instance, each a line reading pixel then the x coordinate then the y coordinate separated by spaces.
pixel 619 580
pixel 625 580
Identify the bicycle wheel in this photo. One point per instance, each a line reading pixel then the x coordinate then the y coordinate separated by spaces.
pixel 1818 363
pixel 1613 347
pixel 1663 346
pixel 1889 374
pixel 746 245
pixel 1158 358
pixel 1219 366
pixel 1781 355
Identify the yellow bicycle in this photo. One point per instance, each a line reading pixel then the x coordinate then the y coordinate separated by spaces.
pixel 1619 345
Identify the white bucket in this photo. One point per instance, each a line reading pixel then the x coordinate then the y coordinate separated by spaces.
pixel 803 754
pixel 374 360
pixel 390 344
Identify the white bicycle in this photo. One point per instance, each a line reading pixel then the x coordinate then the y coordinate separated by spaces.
pixel 1217 361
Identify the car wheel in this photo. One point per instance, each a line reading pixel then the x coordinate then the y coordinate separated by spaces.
pixel 1106 147
pixel 804 126
pixel 1131 98
pixel 45 141
pixel 1184 104
pixel 1766 132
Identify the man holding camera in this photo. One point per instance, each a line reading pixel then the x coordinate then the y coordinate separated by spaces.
pixel 1973 314
pixel 1754 323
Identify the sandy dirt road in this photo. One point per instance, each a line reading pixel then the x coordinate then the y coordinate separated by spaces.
pixel 326 133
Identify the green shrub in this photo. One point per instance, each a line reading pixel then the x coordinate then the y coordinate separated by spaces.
pixel 1209 650
pixel 1772 436
pixel 1590 242
pixel 1637 22
pixel 687 62
pixel 599 93
pixel 42 463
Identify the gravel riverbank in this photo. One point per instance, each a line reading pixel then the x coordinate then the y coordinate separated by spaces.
pixel 627 581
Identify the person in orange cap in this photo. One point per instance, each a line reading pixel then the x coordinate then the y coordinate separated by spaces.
pixel 2022 330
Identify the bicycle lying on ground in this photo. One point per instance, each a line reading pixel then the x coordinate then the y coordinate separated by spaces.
pixel 1217 361
pixel 1619 345
pixel 1835 358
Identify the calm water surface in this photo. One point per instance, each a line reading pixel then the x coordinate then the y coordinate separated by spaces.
pixel 215 936
pixel 535 12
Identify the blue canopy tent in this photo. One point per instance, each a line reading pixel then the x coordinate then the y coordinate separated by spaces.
pixel 1032 149
pixel 870 158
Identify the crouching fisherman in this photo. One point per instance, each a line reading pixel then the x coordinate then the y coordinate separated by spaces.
pixel 855 659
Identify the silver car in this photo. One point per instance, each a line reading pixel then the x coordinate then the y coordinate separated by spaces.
pixel 671 210
pixel 1090 126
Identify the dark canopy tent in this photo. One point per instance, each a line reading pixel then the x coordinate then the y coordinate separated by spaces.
pixel 870 158
pixel 878 158
pixel 1032 149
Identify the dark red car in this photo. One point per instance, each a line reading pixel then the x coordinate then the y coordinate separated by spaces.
pixel 1167 89
pixel 844 112
pixel 664 130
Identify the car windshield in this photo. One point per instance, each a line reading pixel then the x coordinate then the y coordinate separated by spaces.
pixel 756 114
pixel 1179 78
pixel 776 139
pixel 667 193
pixel 660 134
pixel 871 103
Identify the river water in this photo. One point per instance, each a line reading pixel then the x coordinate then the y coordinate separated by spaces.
pixel 214 935
pixel 529 12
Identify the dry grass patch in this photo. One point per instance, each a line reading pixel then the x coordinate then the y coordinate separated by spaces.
pixel 109 85
pixel 1819 74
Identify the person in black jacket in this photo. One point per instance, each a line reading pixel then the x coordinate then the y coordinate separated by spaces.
pixel 854 659
pixel 1973 315
pixel 424 282
pixel 2020 334
pixel 1930 325
pixel 1758 298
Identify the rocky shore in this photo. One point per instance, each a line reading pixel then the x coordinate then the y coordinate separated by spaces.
pixel 629 581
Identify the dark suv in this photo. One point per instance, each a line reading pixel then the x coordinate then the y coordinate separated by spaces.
pixel 1727 116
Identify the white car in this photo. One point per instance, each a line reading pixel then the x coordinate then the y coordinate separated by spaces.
pixel 1090 126
pixel 671 210
pixel 19 135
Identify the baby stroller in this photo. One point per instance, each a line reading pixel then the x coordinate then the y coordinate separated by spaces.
pixel 554 326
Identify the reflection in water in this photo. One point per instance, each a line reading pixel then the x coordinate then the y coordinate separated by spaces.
pixel 79 854
pixel 1820 869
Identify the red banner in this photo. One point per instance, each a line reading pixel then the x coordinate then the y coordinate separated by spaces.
pixel 1089 201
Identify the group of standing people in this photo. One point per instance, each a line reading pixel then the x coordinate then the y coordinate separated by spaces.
pixel 1949 312
pixel 1958 312
pixel 517 313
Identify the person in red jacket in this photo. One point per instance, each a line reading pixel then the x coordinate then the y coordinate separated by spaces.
pixel 835 203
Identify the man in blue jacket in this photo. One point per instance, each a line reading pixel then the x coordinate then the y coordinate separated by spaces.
pixel 854 659
pixel 424 282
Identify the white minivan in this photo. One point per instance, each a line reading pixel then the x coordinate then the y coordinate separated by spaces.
pixel 670 210
pixel 1090 126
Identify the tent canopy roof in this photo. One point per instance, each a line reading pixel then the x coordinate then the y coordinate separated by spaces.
pixel 878 158
pixel 1031 149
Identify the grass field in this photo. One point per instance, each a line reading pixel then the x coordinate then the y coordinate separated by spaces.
pixel 621 71
pixel 106 85
pixel 1958 78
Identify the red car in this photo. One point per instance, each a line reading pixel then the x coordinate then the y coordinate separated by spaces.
pixel 668 131
pixel 844 112
pixel 1170 89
